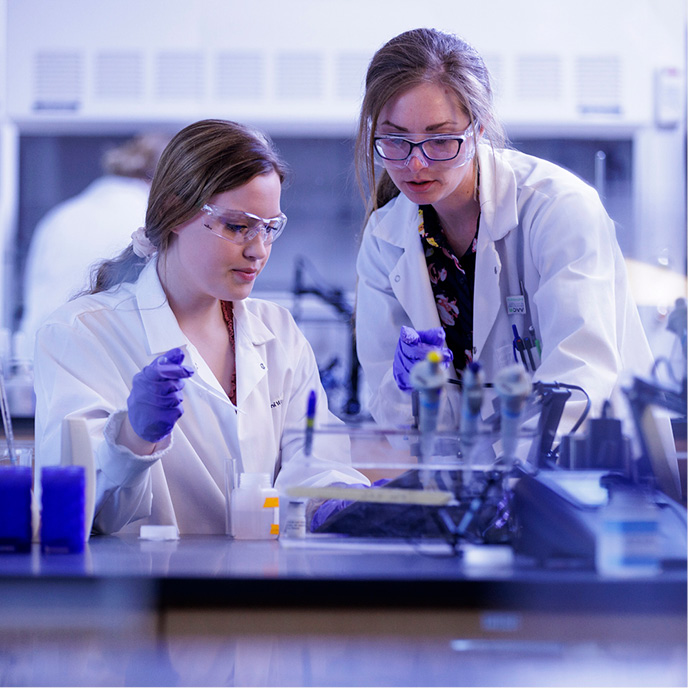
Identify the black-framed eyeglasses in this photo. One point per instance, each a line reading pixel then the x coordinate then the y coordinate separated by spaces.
pixel 240 227
pixel 439 148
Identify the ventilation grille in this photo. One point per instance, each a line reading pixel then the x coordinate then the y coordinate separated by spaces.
pixel 294 82
pixel 58 81
pixel 180 76
pixel 598 84
pixel 350 71
pixel 538 78
pixel 300 75
pixel 495 66
pixel 240 76
pixel 119 76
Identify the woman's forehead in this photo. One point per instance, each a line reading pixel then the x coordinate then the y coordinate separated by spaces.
pixel 423 108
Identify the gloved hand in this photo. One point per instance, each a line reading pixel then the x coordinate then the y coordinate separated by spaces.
pixel 332 506
pixel 155 401
pixel 413 346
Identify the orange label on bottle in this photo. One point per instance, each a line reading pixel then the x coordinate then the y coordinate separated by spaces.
pixel 271 502
pixel 274 529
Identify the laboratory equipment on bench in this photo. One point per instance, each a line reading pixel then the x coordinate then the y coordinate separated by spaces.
pixel 336 299
pixel 15 489
pixel 501 479
pixel 428 377
pixel 513 386
pixel 611 507
pixel 254 508
pixel 471 403
pixel 430 494
pixel 652 401
pixel 63 507
pixel 6 417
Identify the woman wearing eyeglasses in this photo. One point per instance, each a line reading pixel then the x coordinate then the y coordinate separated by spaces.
pixel 174 367
pixel 466 239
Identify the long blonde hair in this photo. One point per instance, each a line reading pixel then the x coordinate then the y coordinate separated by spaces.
pixel 412 58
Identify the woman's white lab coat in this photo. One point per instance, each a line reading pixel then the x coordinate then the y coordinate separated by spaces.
pixel 89 350
pixel 569 261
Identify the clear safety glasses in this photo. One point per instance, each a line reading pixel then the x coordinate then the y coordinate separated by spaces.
pixel 438 148
pixel 240 227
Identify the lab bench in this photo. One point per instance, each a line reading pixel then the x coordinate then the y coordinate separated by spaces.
pixel 208 610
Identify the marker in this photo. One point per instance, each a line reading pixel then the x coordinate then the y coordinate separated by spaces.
pixel 534 339
pixel 310 423
pixel 529 345
pixel 519 346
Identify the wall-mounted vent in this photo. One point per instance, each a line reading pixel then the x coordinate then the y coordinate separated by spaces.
pixel 58 80
pixel 240 76
pixel 598 84
pixel 299 75
pixel 495 66
pixel 538 77
pixel 179 76
pixel 349 77
pixel 118 76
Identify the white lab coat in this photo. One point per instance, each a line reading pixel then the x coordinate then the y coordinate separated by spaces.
pixel 83 230
pixel 89 350
pixel 574 276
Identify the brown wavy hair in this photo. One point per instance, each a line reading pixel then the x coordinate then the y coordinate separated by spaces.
pixel 203 159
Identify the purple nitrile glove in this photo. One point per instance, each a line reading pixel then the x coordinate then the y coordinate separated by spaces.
pixel 413 346
pixel 332 506
pixel 155 401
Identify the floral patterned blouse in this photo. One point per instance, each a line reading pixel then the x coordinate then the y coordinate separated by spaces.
pixel 452 281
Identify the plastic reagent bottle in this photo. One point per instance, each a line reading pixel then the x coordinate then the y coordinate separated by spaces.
pixel 628 544
pixel 254 508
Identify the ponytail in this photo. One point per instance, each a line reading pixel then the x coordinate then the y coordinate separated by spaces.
pixel 126 267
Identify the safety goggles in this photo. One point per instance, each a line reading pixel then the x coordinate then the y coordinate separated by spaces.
pixel 438 148
pixel 240 227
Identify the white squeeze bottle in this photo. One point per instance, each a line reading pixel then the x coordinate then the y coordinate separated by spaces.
pixel 254 508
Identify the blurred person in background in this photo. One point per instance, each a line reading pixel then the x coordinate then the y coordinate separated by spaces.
pixel 82 230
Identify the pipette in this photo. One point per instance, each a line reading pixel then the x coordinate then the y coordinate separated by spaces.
pixel 471 401
pixel 513 385
pixel 428 377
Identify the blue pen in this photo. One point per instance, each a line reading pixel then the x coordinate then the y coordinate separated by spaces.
pixel 310 423
pixel 519 346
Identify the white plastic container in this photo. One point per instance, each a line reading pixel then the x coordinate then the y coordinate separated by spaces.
pixel 254 508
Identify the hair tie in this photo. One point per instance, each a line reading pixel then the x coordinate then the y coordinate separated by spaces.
pixel 141 244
